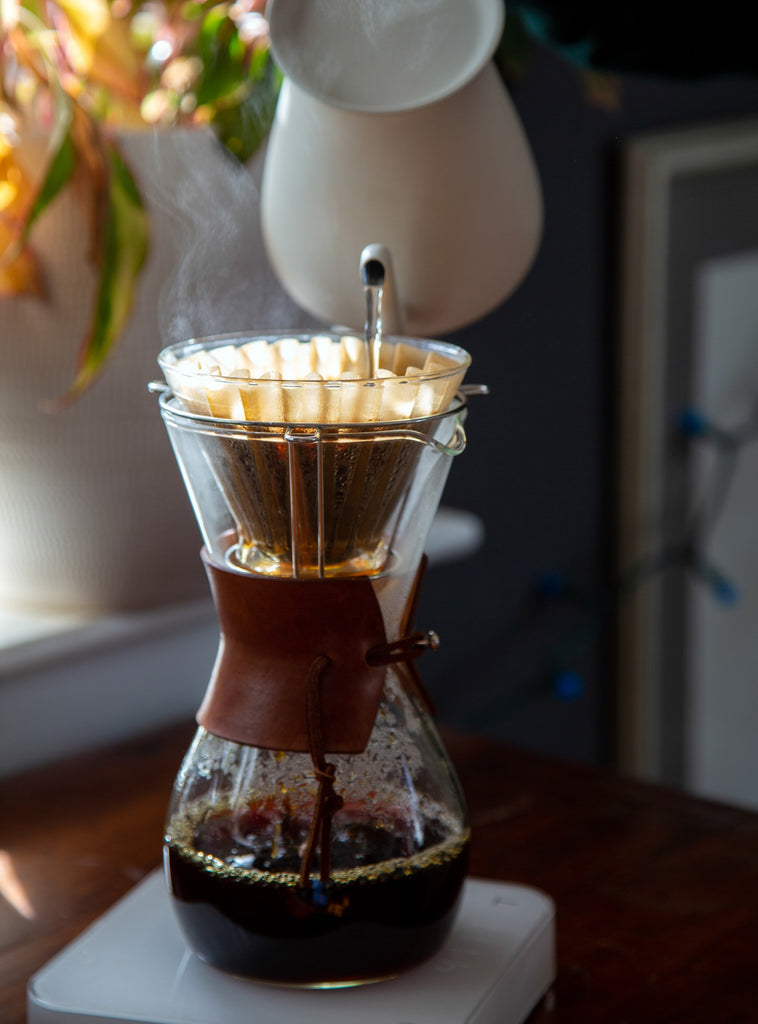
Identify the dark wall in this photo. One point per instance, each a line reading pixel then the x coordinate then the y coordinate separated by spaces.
pixel 539 467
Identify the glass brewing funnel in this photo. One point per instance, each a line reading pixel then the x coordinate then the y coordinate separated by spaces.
pixel 316 834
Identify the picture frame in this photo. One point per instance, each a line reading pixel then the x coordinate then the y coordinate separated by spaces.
pixel 687 367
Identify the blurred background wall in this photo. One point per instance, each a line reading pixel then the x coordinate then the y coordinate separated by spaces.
pixel 540 468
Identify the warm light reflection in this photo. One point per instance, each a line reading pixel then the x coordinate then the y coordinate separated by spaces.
pixel 12 889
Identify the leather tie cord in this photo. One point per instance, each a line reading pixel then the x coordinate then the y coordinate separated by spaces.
pixel 327 801
pixel 403 652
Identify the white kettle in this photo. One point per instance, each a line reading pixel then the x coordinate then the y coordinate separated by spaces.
pixel 393 126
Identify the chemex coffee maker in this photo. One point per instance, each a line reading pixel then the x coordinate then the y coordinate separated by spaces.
pixel 317 834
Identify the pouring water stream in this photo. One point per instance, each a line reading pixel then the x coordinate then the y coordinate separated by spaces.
pixel 372 273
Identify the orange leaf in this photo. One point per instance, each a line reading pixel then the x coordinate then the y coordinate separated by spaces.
pixel 21 275
pixel 20 271
pixel 99 47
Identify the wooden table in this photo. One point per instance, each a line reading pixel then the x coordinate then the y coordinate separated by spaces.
pixel 657 893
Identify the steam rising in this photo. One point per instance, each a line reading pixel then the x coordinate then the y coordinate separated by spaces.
pixel 383 55
pixel 376 19
pixel 216 276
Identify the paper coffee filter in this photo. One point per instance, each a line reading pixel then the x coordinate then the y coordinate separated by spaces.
pixel 313 379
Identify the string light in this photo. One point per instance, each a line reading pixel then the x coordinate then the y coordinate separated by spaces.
pixel 560 679
pixel 689 552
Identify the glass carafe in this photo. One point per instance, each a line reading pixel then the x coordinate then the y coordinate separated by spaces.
pixel 317 834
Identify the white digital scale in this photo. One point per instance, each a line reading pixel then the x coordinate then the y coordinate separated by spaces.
pixel 132 966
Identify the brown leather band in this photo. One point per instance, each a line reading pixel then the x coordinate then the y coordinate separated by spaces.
pixel 272 629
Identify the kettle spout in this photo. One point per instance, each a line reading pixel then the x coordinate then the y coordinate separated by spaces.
pixel 392 318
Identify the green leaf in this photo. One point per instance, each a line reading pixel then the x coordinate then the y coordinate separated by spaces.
pixel 59 172
pixel 222 55
pixel 244 123
pixel 514 49
pixel 125 246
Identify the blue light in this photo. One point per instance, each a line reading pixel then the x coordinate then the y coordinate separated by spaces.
pixel 725 592
pixel 692 423
pixel 568 685
pixel 551 584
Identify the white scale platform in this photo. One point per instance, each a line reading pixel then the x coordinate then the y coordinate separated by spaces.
pixel 132 966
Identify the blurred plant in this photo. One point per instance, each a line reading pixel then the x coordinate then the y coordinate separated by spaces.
pixel 600 88
pixel 77 70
